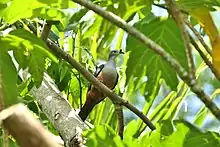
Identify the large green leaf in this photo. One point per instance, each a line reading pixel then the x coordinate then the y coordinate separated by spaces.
pixel 8 77
pixel 189 4
pixel 185 135
pixel 49 13
pixel 29 51
pixel 188 135
pixel 143 60
pixel 32 8
pixel 102 136
pixel 129 133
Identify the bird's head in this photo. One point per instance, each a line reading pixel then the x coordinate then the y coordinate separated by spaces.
pixel 114 53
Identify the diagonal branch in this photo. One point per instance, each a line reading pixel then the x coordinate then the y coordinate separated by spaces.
pixel 206 60
pixel 156 48
pixel 46 30
pixel 115 98
pixel 199 37
pixel 179 18
pixel 82 70
pixel 207 48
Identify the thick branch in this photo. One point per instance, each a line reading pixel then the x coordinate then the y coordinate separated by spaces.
pixel 46 30
pixel 156 48
pixel 27 131
pixel 58 110
pixel 178 17
pixel 115 98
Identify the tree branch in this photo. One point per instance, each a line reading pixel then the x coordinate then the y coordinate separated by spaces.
pixel 178 17
pixel 120 116
pixel 199 37
pixel 115 98
pixel 209 64
pixel 58 110
pixel 163 6
pixel 156 48
pixel 46 30
pixel 206 60
pixel 27 131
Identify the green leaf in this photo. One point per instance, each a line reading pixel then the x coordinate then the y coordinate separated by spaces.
pixel 129 133
pixel 188 4
pixel 166 127
pixel 8 77
pixel 48 13
pixel 152 140
pixel 184 135
pixel 15 12
pixel 102 136
pixel 21 56
pixel 75 18
pixel 202 113
pixel 142 59
pixel 61 73
pixel 32 8
pixel 33 107
pixel 188 135
pixel 37 66
pixel 29 51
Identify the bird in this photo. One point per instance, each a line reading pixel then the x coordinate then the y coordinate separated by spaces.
pixel 107 74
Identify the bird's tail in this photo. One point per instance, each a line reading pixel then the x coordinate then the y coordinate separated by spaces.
pixel 86 109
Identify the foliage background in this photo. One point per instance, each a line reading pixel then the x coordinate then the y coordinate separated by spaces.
pixel 145 79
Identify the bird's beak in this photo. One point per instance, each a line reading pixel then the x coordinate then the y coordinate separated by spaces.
pixel 121 52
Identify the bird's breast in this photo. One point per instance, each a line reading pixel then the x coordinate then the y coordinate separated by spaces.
pixel 109 76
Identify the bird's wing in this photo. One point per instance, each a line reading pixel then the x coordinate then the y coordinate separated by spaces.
pixel 96 73
pixel 116 81
pixel 98 70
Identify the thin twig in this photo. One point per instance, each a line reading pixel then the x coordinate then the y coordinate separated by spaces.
pixel 80 88
pixel 97 83
pixel 199 37
pixel 120 116
pixel 206 60
pixel 179 18
pixel 157 49
pixel 163 6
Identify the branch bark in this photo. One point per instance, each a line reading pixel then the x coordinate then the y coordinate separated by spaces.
pixel 46 30
pixel 206 60
pixel 179 18
pixel 156 48
pixel 58 110
pixel 27 131
pixel 120 116
pixel 199 37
